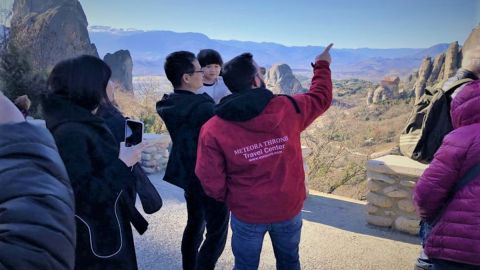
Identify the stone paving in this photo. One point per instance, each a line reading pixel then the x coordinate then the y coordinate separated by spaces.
pixel 335 236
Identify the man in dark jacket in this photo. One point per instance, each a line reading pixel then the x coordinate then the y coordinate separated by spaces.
pixel 249 155
pixel 37 224
pixel 184 113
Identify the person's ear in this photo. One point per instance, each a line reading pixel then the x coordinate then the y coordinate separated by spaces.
pixel 186 78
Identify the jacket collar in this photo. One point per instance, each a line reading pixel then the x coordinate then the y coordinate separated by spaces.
pixel 181 91
pixel 244 105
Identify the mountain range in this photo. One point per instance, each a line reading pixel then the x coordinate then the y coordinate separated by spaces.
pixel 149 48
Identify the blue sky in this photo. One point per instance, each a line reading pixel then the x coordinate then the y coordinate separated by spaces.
pixel 347 23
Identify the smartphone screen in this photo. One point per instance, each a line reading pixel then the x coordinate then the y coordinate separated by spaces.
pixel 133 132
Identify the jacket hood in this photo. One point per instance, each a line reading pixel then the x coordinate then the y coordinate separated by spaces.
pixel 245 105
pixel 58 110
pixel 465 107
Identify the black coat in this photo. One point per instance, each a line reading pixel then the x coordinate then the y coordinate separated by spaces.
pixel 37 224
pixel 100 181
pixel 149 196
pixel 184 113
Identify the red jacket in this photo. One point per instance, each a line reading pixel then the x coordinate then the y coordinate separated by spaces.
pixel 249 154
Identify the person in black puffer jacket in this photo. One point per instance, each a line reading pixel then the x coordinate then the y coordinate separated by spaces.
pixel 37 227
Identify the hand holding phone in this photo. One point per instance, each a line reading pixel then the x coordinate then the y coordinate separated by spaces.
pixel 133 132
pixel 130 155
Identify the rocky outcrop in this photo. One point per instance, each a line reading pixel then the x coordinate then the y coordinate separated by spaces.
pixel 388 89
pixel 438 69
pixel 280 80
pixel 444 65
pixel 370 96
pixel 391 83
pixel 407 87
pixel 380 94
pixel 122 65
pixel 473 40
pixel 50 31
pixel 423 75
pixel 451 60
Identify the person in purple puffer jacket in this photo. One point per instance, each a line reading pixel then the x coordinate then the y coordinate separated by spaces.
pixel 454 242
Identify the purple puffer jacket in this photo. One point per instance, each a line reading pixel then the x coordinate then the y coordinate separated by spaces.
pixel 456 237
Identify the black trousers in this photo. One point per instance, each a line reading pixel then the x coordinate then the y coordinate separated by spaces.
pixel 203 212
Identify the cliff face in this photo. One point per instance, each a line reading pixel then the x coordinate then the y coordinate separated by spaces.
pixel 444 65
pixel 122 65
pixel 280 80
pixel 50 31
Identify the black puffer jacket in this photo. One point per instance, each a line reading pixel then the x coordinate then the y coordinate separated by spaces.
pixel 37 227
pixel 100 181
pixel 184 113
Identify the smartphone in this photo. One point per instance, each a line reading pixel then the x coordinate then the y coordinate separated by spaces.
pixel 133 132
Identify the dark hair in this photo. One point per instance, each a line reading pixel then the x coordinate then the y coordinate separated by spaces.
pixel 239 73
pixel 208 56
pixel 177 64
pixel 83 80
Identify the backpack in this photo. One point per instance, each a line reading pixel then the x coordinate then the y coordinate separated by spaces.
pixel 428 123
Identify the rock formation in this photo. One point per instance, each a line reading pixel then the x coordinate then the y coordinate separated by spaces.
pixel 370 96
pixel 380 94
pixel 444 66
pixel 122 65
pixel 391 83
pixel 50 31
pixel 407 87
pixel 473 40
pixel 280 80
pixel 388 89
pixel 451 60
pixel 423 75
pixel 437 69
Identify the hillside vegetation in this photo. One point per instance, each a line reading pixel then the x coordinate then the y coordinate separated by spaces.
pixel 343 138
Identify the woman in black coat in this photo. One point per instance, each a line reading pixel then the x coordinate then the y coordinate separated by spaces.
pixel 115 121
pixel 97 166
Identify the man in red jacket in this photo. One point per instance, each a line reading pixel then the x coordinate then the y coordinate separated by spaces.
pixel 249 156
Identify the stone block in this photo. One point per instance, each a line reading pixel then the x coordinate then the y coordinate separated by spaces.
pixel 407 225
pixel 149 163
pixel 150 150
pixel 373 185
pixel 390 213
pixel 406 183
pixel 146 156
pixel 395 192
pixel 163 145
pixel 379 200
pixel 149 170
pixel 381 177
pixel 406 205
pixel 396 165
pixel 372 209
pixel 157 156
pixel 380 221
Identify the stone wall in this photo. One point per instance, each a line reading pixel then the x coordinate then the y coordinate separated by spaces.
pixel 155 156
pixel 391 180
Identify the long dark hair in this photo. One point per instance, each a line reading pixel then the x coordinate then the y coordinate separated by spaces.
pixel 83 80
